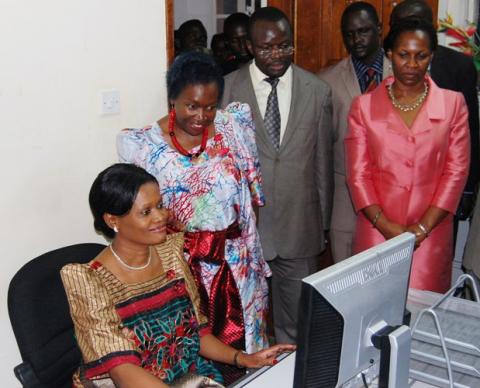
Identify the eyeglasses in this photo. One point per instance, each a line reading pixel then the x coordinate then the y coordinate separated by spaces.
pixel 282 50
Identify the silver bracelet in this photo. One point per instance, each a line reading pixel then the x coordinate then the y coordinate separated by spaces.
pixel 423 228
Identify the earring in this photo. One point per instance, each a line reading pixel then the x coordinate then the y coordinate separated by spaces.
pixel 171 122
pixel 115 229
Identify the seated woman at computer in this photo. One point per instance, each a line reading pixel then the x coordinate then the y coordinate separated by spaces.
pixel 407 155
pixel 206 162
pixel 135 306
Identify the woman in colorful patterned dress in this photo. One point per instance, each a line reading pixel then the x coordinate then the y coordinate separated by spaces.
pixel 206 163
pixel 135 306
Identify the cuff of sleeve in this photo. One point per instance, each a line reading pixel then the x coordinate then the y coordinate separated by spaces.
pixel 362 196
pixel 259 202
pixel 445 204
pixel 204 330
pixel 104 364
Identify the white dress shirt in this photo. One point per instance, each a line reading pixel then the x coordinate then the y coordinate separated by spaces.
pixel 284 93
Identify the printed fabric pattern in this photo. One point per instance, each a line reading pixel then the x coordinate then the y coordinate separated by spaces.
pixel 210 194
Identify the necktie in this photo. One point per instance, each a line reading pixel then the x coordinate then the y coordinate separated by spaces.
pixel 371 81
pixel 272 114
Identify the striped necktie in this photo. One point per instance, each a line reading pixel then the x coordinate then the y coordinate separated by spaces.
pixel 371 80
pixel 272 114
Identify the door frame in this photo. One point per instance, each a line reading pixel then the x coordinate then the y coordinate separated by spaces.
pixel 170 26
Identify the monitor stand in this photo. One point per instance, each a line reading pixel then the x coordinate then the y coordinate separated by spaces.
pixel 394 344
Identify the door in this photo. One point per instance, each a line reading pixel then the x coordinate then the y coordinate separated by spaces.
pixel 317 33
pixel 318 38
pixel 316 24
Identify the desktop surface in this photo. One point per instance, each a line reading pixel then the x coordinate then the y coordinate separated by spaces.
pixel 281 376
pixel 277 376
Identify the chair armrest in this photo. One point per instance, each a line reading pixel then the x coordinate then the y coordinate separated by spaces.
pixel 25 374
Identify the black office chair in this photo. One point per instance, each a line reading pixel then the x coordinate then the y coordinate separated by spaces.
pixel 40 317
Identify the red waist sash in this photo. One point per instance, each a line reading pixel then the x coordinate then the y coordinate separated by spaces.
pixel 223 308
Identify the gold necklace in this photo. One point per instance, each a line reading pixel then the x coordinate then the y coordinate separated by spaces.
pixel 408 107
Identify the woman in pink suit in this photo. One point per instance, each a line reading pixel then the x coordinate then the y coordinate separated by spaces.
pixel 407 155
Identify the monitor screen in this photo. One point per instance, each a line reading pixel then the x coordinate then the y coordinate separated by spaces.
pixel 343 305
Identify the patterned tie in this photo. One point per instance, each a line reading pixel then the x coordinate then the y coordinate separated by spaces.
pixel 371 81
pixel 272 114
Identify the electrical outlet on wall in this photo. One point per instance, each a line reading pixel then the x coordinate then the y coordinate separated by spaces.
pixel 109 102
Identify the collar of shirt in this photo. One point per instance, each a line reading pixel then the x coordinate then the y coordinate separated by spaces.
pixel 361 68
pixel 284 93
pixel 258 77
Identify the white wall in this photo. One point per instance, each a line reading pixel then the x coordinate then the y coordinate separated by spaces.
pixel 56 56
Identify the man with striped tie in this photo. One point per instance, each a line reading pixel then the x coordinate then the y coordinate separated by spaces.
pixel 291 109
pixel 359 73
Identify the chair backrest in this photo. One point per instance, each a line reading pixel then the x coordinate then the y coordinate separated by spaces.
pixel 40 316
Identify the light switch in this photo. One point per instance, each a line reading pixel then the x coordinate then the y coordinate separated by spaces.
pixel 110 102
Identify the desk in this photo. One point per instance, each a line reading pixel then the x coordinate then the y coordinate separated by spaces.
pixel 281 376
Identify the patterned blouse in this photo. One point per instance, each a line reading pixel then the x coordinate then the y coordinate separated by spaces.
pixel 219 188
pixel 156 324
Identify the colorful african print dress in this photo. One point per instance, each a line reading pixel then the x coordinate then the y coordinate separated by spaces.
pixel 156 325
pixel 214 192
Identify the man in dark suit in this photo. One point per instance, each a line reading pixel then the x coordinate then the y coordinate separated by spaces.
pixel 293 118
pixel 471 258
pixel 452 70
pixel 359 73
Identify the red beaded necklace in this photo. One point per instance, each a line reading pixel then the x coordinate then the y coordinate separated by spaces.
pixel 177 145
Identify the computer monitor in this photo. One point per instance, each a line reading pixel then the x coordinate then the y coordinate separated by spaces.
pixel 344 305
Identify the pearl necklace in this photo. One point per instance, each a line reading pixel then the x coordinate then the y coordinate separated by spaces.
pixel 407 107
pixel 122 262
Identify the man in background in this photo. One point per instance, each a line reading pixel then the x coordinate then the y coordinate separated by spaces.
pixel 191 35
pixel 218 45
pixel 292 112
pixel 359 73
pixel 235 29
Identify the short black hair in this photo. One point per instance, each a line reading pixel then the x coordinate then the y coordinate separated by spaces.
pixel 410 24
pixel 193 68
pixel 269 14
pixel 186 26
pixel 220 37
pixel 357 7
pixel 114 192
pixel 235 19
pixel 418 8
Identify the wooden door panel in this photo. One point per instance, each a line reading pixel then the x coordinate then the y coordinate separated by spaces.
pixel 316 25
pixel 170 25
pixel 285 5
pixel 318 38
pixel 309 39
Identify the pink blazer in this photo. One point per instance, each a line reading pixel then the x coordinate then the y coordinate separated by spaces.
pixel 406 170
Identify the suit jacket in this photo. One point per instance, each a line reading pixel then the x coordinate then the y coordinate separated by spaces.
pixel 453 70
pixel 407 170
pixel 471 260
pixel 345 87
pixel 298 179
